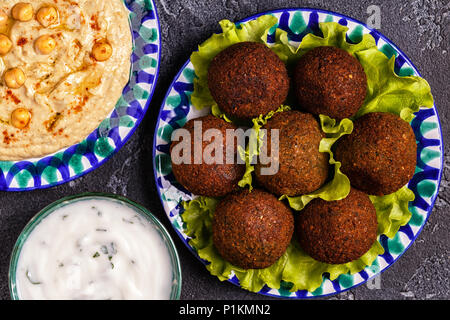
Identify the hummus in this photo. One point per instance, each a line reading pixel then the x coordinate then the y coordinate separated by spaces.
pixel 67 90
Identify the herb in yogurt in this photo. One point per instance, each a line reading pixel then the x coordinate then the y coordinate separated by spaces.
pixel 104 249
pixel 99 213
pixel 127 221
pixel 28 275
pixel 109 250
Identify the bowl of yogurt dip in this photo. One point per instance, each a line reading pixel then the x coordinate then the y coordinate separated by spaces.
pixel 94 246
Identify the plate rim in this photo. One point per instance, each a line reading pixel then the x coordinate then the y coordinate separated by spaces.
pixel 441 140
pixel 124 140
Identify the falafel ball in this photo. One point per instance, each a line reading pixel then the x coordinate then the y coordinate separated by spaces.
pixel 302 168
pixel 248 79
pixel 338 232
pixel 379 157
pixel 330 81
pixel 252 229
pixel 208 178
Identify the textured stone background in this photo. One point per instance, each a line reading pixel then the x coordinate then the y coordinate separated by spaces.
pixel 421 28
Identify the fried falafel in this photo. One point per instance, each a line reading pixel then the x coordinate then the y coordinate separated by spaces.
pixel 379 157
pixel 208 179
pixel 248 79
pixel 253 229
pixel 337 232
pixel 302 168
pixel 330 81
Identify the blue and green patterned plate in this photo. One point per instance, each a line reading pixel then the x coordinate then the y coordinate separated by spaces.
pixel 177 109
pixel 77 160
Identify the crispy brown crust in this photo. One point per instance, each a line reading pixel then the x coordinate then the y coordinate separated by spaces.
pixel 338 232
pixel 253 229
pixel 303 169
pixel 212 180
pixel 379 157
pixel 330 81
pixel 248 79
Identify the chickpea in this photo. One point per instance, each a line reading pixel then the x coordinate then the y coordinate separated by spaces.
pixel 47 16
pixel 3 19
pixel 22 11
pixel 5 44
pixel 102 51
pixel 14 78
pixel 45 44
pixel 20 118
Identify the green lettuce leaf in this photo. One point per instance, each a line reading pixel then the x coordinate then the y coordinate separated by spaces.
pixel 333 35
pixel 215 110
pixel 392 210
pixel 253 149
pixel 339 187
pixel 387 92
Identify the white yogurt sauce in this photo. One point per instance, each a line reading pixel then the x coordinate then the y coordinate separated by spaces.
pixel 94 249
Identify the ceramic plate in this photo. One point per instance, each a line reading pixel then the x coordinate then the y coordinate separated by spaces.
pixel 177 109
pixel 77 160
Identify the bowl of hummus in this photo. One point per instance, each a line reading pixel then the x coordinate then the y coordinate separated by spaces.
pixel 76 78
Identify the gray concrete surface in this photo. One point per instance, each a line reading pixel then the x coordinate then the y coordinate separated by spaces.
pixel 421 28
